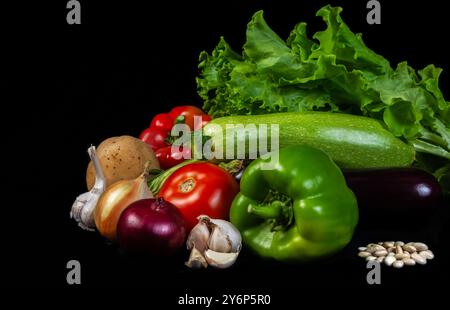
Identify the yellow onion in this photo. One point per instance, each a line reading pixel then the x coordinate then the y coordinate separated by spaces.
pixel 115 200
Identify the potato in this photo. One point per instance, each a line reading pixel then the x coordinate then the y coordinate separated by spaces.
pixel 122 158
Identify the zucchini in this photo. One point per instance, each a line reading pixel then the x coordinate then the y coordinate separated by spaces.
pixel 351 141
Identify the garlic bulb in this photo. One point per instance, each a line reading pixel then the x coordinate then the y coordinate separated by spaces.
pixel 117 198
pixel 83 207
pixel 213 242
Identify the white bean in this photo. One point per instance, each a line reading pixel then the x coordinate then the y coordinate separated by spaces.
pixel 401 256
pixel 398 264
pixel 420 246
pixel 409 248
pixel 427 254
pixel 364 254
pixel 381 253
pixel 389 260
pixel 388 244
pixel 409 261
pixel 419 259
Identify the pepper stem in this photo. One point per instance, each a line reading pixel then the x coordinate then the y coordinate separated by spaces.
pixel 273 210
pixel 232 167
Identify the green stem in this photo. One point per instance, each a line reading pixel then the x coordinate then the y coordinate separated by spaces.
pixel 432 137
pixel 180 119
pixel 157 182
pixel 443 130
pixel 271 211
pixel 232 167
pixel 425 147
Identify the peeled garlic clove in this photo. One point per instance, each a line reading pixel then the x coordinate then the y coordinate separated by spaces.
pixel 219 241
pixel 198 237
pixel 196 260
pixel 83 207
pixel 220 260
pixel 231 231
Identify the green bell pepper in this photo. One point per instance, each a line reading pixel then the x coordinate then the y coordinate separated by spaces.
pixel 299 211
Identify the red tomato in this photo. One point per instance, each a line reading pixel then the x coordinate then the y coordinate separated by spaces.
pixel 154 137
pixel 162 121
pixel 168 159
pixel 188 112
pixel 200 188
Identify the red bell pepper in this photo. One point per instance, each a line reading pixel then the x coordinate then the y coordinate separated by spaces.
pixel 159 137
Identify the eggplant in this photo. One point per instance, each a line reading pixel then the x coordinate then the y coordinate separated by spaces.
pixel 389 197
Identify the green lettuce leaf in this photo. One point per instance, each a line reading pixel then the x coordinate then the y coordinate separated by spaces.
pixel 337 39
pixel 332 71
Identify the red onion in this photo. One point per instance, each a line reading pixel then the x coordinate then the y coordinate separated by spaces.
pixel 151 226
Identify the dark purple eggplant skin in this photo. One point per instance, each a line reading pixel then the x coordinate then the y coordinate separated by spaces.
pixel 396 187
pixel 389 197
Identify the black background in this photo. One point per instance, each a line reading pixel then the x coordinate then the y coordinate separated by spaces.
pixel 74 85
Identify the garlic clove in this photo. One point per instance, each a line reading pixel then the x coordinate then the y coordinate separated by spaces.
pixel 219 241
pixel 82 210
pixel 198 237
pixel 83 207
pixel 232 232
pixel 220 260
pixel 196 260
pixel 77 206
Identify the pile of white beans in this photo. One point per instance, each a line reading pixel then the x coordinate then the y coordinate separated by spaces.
pixel 396 253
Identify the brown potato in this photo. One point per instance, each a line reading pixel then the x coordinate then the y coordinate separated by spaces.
pixel 122 158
